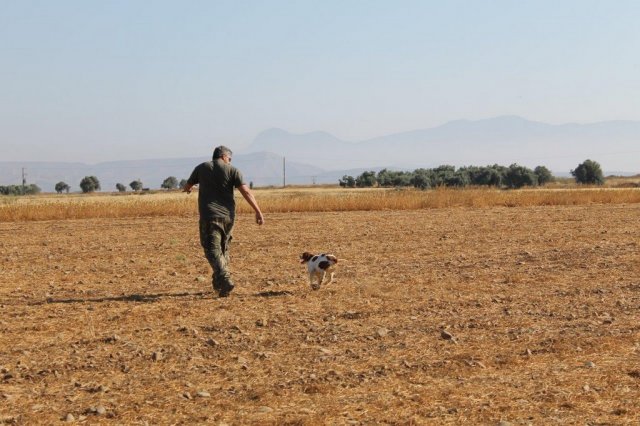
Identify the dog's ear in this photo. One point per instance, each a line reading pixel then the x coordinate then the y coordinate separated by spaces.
pixel 304 257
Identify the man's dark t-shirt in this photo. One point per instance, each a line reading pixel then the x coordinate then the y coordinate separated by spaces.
pixel 216 181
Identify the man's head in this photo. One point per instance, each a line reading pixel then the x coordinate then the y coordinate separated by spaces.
pixel 222 152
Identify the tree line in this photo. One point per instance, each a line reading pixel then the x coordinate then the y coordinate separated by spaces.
pixel 514 176
pixel 91 184
pixel 88 184
pixel 20 189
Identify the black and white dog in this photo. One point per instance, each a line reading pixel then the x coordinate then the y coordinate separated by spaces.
pixel 318 266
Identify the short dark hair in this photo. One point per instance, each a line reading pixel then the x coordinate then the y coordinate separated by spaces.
pixel 220 151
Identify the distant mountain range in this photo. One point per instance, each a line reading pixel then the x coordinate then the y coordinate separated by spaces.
pixel 276 156
pixel 502 140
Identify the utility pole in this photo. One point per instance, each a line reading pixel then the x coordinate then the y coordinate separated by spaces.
pixel 284 172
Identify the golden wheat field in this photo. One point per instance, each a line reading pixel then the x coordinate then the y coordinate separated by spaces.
pixel 448 307
pixel 305 199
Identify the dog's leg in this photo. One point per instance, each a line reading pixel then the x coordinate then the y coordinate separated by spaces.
pixel 318 281
pixel 330 278
pixel 313 277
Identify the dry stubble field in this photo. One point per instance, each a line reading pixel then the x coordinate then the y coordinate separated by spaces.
pixel 113 320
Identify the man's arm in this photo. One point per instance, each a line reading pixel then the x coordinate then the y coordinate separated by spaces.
pixel 246 193
pixel 192 181
pixel 187 188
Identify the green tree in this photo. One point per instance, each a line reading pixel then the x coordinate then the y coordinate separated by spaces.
pixel 183 183
pixel 422 178
pixel 136 185
pixel 519 176
pixel 460 178
pixel 544 175
pixel 120 187
pixel 401 179
pixel 489 176
pixel 170 183
pixel 471 172
pixel 588 173
pixel 387 178
pixel 347 182
pixel 30 189
pixel 366 180
pixel 89 184
pixel 13 190
pixel 384 177
pixel 441 174
pixel 61 187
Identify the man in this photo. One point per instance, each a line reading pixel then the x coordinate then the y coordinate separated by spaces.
pixel 216 205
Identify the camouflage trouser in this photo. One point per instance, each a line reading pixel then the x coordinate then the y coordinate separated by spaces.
pixel 215 237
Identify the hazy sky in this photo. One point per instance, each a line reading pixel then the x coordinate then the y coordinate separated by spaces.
pixel 95 80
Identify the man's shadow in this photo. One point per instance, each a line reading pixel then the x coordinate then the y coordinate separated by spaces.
pixel 144 298
pixel 148 298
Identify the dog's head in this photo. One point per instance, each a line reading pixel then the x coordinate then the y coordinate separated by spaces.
pixel 331 258
pixel 327 261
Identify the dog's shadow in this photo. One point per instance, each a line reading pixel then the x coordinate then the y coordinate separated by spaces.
pixel 272 293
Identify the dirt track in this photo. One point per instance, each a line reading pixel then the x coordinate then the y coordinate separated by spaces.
pixel 117 316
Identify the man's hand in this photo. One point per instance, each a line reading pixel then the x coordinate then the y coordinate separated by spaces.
pixel 187 188
pixel 246 193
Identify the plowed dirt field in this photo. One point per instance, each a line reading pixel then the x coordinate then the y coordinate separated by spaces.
pixel 444 316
